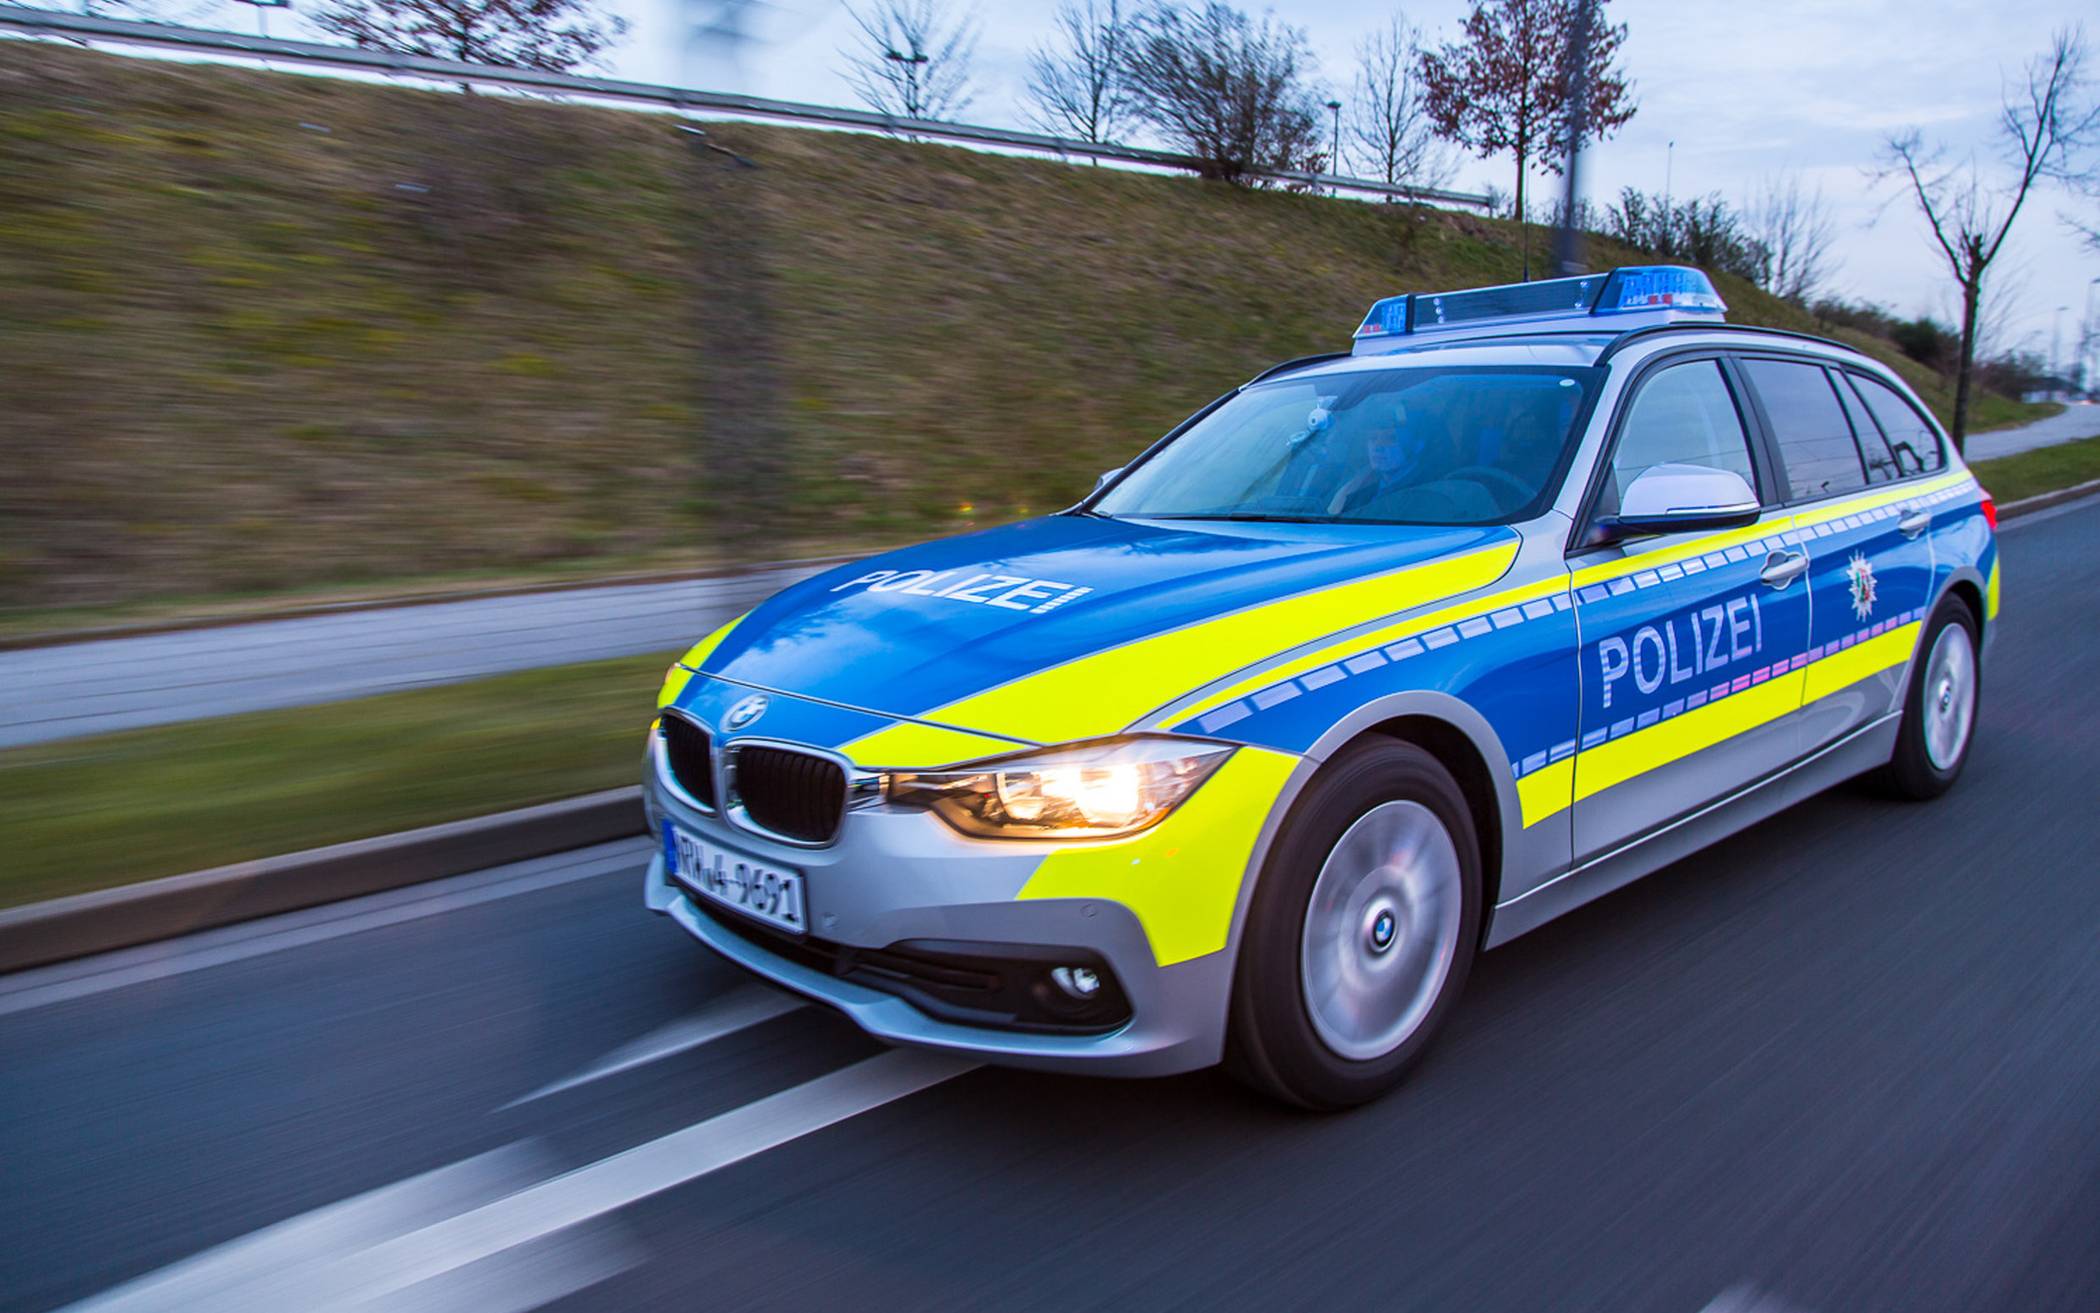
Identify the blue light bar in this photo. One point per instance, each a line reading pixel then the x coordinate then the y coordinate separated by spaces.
pixel 1659 293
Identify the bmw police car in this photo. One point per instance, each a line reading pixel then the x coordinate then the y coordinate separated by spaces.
pixel 1377 661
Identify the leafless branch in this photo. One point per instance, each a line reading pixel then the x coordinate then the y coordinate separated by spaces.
pixel 1389 121
pixel 1076 82
pixel 913 59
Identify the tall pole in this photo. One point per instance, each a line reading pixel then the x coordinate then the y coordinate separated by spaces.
pixel 1569 254
pixel 2088 339
pixel 1334 159
pixel 2056 354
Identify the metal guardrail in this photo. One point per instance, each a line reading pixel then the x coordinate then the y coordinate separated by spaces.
pixel 313 54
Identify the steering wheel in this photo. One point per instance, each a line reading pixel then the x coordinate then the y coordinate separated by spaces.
pixel 1493 476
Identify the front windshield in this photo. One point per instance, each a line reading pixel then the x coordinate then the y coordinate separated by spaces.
pixel 1470 444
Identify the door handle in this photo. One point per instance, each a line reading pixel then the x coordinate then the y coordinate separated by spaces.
pixel 1782 568
pixel 1913 524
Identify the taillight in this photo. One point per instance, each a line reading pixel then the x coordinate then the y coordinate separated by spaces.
pixel 1990 512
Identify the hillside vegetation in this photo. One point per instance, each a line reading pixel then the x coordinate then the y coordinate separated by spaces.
pixel 264 332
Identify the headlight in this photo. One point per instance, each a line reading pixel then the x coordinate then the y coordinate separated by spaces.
pixel 1099 790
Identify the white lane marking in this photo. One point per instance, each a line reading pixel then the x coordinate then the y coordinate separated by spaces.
pixel 1747 1298
pixel 235 1273
pixel 382 1250
pixel 64 981
pixel 739 1009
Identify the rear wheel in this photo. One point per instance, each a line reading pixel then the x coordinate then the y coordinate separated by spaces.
pixel 1362 931
pixel 1939 711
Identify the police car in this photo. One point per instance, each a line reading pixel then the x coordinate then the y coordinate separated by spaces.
pixel 1377 661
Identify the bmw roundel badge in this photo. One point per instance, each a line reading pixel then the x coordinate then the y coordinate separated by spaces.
pixel 745 712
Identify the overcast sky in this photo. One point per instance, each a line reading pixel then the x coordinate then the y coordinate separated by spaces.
pixel 1747 91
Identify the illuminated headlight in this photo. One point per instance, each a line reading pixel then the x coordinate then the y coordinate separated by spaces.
pixel 1099 790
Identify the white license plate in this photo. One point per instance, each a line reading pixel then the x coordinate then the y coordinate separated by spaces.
pixel 772 894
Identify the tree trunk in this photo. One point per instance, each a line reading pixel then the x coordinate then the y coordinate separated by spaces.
pixel 1971 295
pixel 1520 186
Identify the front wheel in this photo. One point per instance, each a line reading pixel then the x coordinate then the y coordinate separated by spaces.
pixel 1362 931
pixel 1939 708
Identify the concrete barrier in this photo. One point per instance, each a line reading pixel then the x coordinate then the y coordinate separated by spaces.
pixel 76 926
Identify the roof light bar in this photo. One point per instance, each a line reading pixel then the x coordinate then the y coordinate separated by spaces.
pixel 1654 293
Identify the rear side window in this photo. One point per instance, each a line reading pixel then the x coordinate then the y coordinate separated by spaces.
pixel 1682 415
pixel 1881 462
pixel 1815 441
pixel 1915 445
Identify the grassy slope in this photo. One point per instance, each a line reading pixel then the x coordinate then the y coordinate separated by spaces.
pixel 2009 478
pixel 268 332
pixel 239 787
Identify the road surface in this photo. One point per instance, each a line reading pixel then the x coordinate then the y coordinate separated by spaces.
pixel 2069 425
pixel 1850 1060
pixel 49 693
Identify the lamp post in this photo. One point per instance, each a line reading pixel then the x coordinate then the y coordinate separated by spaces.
pixel 910 64
pixel 2087 330
pixel 2056 354
pixel 1334 158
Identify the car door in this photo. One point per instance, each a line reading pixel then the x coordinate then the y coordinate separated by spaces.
pixel 1691 642
pixel 1870 566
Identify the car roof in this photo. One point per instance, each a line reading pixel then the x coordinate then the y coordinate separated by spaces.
pixel 1567 349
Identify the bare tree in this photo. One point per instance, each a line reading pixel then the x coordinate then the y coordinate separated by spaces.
pixel 1228 90
pixel 1077 81
pixel 555 36
pixel 2044 126
pixel 1388 119
pixel 914 58
pixel 1790 232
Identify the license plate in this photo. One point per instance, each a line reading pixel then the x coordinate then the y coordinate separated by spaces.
pixel 772 894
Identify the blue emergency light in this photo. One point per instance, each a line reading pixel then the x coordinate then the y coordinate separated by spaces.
pixel 1662 293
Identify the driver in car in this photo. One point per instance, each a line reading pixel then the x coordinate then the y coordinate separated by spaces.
pixel 1393 459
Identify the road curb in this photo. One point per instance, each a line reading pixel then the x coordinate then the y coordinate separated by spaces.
pixel 106 919
pixel 2042 501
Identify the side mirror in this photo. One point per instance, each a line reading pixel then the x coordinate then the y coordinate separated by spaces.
pixel 1677 498
pixel 1106 475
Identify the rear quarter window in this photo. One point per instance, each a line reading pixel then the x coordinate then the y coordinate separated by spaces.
pixel 1915 443
pixel 1815 440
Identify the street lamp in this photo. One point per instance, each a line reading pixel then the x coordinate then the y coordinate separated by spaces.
pixel 2087 329
pixel 910 64
pixel 1334 160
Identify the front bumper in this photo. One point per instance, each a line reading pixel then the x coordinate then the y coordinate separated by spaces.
pixel 899 877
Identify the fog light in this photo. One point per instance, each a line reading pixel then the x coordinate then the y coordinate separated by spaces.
pixel 1077 982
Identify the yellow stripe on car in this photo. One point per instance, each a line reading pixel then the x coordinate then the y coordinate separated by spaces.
pixel 908 745
pixel 1101 693
pixel 1546 791
pixel 1841 670
pixel 1264 675
pixel 681 674
pixel 1679 737
pixel 1181 877
pixel 1990 595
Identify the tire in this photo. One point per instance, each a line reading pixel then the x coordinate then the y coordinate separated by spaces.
pixel 1325 901
pixel 1939 709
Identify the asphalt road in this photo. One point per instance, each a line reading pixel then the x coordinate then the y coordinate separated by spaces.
pixel 2068 425
pixel 59 692
pixel 1849 1060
